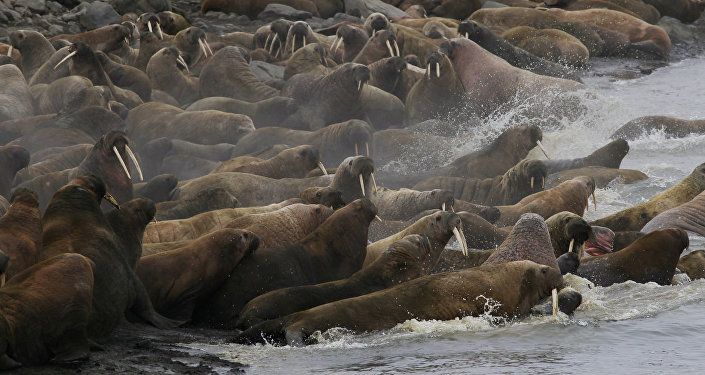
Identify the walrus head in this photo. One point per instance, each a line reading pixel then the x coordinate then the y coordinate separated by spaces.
pixel 149 22
pixel 172 22
pixel 171 57
pixel 245 240
pixel 25 197
pixel 526 178
pixel 601 241
pixel 20 39
pixel 382 44
pixel 528 240
pixel 323 195
pixel 193 42
pixel 352 38
pixel 353 77
pixel 472 30
pixel 307 156
pixel 94 186
pixel 296 37
pixel 386 73
pixel 376 22
pixel 568 233
pixel 442 199
pixel 114 147
pixel 354 178
pixel 438 65
pixel 436 30
pixel 440 227
pixel 539 281
pixel 273 37
pixel 404 260
pixel 610 155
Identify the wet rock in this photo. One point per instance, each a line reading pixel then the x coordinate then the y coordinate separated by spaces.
pixel 97 14
pixel 55 7
pixel 36 6
pixel 678 31
pixel 276 11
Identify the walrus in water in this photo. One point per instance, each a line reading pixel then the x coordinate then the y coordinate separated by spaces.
pixel 12 160
pixel 73 222
pixel 179 280
pixel 603 176
pixel 528 240
pixel 635 218
pixel 522 180
pixel 335 250
pixel 401 262
pixel 688 216
pixel 487 39
pixel 670 126
pixel 515 286
pixel 693 264
pixel 21 232
pixel 609 155
pixel 652 258
pixel 44 313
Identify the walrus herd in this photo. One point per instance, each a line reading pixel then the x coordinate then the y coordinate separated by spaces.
pixel 289 179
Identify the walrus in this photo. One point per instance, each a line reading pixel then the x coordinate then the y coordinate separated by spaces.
pixel 164 74
pixel 634 218
pixel 35 49
pixel 487 39
pixel 688 216
pixel 404 204
pixel 297 37
pixel 325 100
pixel 267 112
pixel 480 233
pixel 522 180
pixel 106 38
pixel 401 262
pixel 439 227
pixel 693 264
pixel 528 240
pixel 128 222
pixel 309 59
pixel 57 292
pixel 73 222
pixel 670 126
pixel 323 195
pixel 335 250
pixel 645 39
pixel 352 39
pixel 204 223
pixel 12 160
pixel 46 72
pixel 458 9
pixel 179 280
pixel 21 232
pixel 652 258
pixel 228 74
pixel 381 45
pixel 515 286
pixel 609 155
pixel 251 8
pixel 602 176
pixel 550 44
pixel 15 98
pixel 635 8
pixel 153 120
pixel 684 10
pixel 158 188
pixel 58 94
pixel 568 233
pixel 204 201
pixel 171 23
pixel 127 77
pixel 388 74
pixel 571 196
pixel 192 42
pixel 295 162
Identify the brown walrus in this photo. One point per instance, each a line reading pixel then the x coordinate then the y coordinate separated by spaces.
pixel 106 38
pixel 165 75
pixel 549 44
pixel 73 222
pixel 603 176
pixel 128 223
pixel 335 250
pixel 634 218
pixel 295 162
pixel 568 233
pixel 204 201
pixel 670 126
pixel 609 155
pixel 515 286
pixel 35 49
pixel 684 10
pixel 693 264
pixel 401 262
pixel 56 292
pixel 528 240
pixel 652 258
pixel 12 160
pixel 228 74
pixel 635 8
pixel 404 204
pixel 267 112
pixel 21 232
pixel 180 279
pixel 352 39
pixel 323 195
pixel 15 97
pixel 688 216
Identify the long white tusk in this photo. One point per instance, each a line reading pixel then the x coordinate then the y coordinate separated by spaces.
pixel 374 32
pixel 334 47
pixel 570 247
pixel 389 47
pixel 428 71
pixel 323 169
pixel 367 148
pixel 374 183
pixel 70 55
pixel 542 182
pixel 362 185
pixel 396 47
pixel 9 51
pixel 594 200
pixel 532 183
pixel 379 218
pixel 208 47
pixel 359 87
pixel 149 26
pixel 463 246
pixel 554 300
pixel 110 107
pixel 203 48
pixel 271 46
pixel 538 143
pixel 443 206
pixel 122 162
pixel 356 149
pixel 467 36
pixel 181 61
pixel 266 42
pixel 293 43
pixel 438 70
pixel 159 32
pixel 464 242
pixel 304 41
pixel 134 161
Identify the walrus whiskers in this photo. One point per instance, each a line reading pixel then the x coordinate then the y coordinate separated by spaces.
pixel 362 184
pixel 554 300
pixel 323 169
pixel 134 161
pixel 122 162
pixel 70 55
pixel 538 143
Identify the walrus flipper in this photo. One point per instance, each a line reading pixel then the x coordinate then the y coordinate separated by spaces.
pixel 7 363
pixel 143 308
pixel 71 348
pixel 267 332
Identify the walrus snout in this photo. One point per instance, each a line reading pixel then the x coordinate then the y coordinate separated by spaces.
pixel 600 241
pixel 376 22
pixel 468 29
pixel 367 207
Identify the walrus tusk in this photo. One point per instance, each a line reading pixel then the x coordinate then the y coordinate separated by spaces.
pixel 374 32
pixel 467 35
pixel 570 247
pixel 134 161
pixel 159 32
pixel 181 61
pixel 594 200
pixel 428 71
pixel 538 143
pixel 389 47
pixel 111 200
pixel 271 46
pixel 149 26
pixel 462 237
pixel 367 148
pixel 359 85
pixel 443 206
pixel 356 149
pixel 70 55
pixel 374 183
pixel 532 182
pixel 203 48
pixel 9 53
pixel 323 169
pixel 438 70
pixel 379 218
pixel 208 47
pixel 122 162
pixel 304 41
pixel 542 182
pixel 293 43
pixel 362 185
pixel 110 107
pixel 266 42
pixel 554 300
pixel 396 47
pixel 127 41
pixel 334 47
pixel 463 246
pixel 415 68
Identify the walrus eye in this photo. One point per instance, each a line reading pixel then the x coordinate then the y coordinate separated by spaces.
pixel 544 270
pixel 318 195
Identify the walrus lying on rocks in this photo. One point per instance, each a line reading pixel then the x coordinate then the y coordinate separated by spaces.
pixel 335 250
pixel 401 262
pixel 516 286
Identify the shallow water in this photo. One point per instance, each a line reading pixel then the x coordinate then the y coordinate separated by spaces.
pixel 627 328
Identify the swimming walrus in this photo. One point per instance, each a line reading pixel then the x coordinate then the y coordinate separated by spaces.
pixel 609 155
pixel 528 240
pixel 401 262
pixel 603 176
pixel 335 250
pixel 21 232
pixel 73 222
pixel 515 286
pixel 652 258
pixel 56 292
pixel 180 279
pixel 672 127
pixel 634 218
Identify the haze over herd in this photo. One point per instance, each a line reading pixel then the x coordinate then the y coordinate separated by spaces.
pixel 264 171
